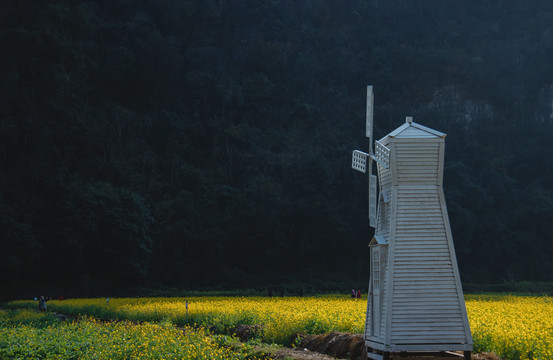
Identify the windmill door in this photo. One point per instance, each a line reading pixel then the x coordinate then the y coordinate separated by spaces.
pixel 375 278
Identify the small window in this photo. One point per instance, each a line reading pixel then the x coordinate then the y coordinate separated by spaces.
pixel 376 267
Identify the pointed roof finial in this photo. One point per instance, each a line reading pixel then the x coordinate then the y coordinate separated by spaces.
pixel 409 119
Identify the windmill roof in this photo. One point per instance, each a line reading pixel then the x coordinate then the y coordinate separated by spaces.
pixel 414 130
pixel 378 239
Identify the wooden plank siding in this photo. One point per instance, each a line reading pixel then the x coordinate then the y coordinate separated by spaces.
pixel 384 210
pixel 417 163
pixel 391 270
pixel 383 302
pixel 384 177
pixel 425 303
pixel 421 300
pixel 369 318
pixel 384 219
pixel 384 295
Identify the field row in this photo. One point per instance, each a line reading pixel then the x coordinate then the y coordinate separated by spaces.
pixel 26 334
pixel 281 317
pixel 514 327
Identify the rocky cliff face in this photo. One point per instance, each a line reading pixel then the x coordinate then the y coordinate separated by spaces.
pixel 459 106
pixel 464 109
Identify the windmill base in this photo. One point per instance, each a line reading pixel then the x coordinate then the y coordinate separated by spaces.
pixel 427 355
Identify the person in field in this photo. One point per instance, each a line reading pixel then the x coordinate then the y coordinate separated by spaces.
pixel 42 304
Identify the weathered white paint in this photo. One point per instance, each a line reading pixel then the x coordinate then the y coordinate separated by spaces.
pixel 372 198
pixel 416 303
pixel 369 116
pixel 359 161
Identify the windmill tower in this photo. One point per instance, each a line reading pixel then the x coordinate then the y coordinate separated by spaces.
pixel 415 303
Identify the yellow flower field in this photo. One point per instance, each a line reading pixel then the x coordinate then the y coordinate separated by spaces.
pixel 282 317
pixel 514 327
pixel 90 339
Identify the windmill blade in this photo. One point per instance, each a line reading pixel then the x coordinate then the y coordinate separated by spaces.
pixel 359 161
pixel 369 117
pixel 382 155
pixel 372 196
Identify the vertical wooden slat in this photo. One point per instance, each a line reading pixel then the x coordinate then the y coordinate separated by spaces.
pixel 441 169
pixel 391 251
pixel 372 199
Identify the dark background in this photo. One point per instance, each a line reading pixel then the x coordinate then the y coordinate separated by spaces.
pixel 207 144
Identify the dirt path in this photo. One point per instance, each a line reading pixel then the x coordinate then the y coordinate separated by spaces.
pixel 304 354
pixel 352 346
pixel 300 354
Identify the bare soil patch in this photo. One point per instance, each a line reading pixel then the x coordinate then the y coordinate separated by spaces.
pixel 352 346
pixel 300 354
pixel 337 344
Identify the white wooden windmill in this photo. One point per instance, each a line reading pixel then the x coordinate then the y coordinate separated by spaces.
pixel 415 302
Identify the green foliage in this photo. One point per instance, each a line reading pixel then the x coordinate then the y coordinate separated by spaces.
pixel 91 339
pixel 194 144
pixel 19 251
pixel 19 316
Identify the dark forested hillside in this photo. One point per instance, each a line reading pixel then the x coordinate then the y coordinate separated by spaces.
pixel 208 143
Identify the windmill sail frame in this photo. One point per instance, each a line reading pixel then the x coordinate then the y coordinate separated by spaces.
pixel 382 157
